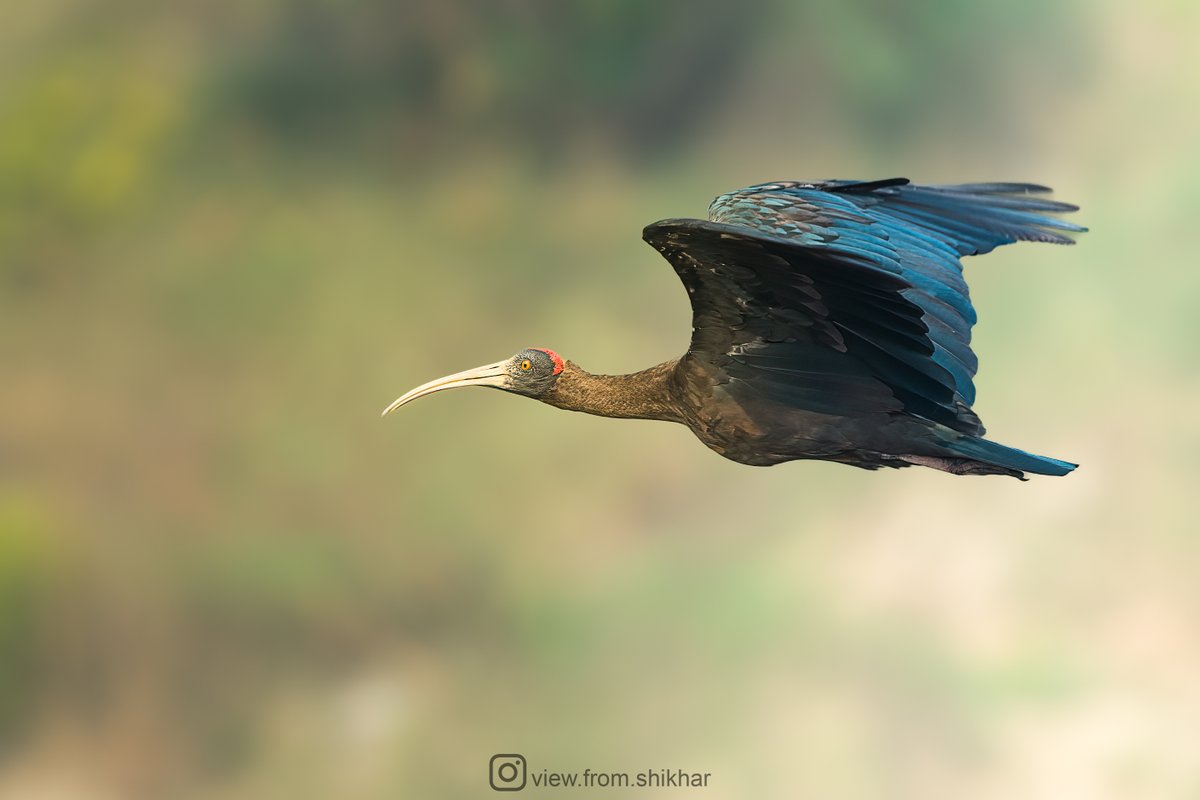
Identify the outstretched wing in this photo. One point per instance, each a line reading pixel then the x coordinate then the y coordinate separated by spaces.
pixel 848 297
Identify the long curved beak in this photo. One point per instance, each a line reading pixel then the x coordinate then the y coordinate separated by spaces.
pixel 495 375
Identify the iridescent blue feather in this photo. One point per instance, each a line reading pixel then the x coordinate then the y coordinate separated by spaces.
pixel 916 232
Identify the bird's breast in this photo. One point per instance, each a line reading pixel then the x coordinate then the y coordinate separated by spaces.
pixel 749 427
pixel 748 436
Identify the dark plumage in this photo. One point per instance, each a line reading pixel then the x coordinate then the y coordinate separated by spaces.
pixel 830 321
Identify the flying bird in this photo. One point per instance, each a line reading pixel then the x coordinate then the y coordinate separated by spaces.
pixel 830 321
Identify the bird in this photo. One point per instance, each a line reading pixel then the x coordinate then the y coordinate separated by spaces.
pixel 830 321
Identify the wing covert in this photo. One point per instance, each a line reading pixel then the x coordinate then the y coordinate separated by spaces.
pixel 820 329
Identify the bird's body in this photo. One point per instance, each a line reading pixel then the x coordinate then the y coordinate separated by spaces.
pixel 830 321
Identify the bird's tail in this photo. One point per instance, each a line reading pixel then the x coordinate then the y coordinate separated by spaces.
pixel 1009 458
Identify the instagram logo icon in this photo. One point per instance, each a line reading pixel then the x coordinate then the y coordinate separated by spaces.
pixel 506 772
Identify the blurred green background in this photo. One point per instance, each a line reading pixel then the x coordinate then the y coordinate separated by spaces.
pixel 232 232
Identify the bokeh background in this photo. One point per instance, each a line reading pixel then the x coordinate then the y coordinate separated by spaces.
pixel 231 232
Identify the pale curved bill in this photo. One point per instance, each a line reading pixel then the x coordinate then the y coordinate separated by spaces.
pixel 487 375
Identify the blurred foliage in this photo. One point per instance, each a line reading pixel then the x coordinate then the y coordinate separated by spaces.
pixel 28 573
pixel 230 233
pixel 78 140
pixel 535 73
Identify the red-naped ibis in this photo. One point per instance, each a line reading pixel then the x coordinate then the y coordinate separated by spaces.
pixel 830 321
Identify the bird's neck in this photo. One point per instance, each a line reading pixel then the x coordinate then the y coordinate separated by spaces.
pixel 640 395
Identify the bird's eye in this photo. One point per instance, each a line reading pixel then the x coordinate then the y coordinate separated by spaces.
pixel 526 365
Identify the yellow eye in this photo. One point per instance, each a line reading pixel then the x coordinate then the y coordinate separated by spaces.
pixel 526 365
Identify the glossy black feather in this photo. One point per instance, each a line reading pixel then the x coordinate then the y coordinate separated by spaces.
pixel 836 331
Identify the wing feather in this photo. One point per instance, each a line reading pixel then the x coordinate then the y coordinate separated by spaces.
pixel 823 331
pixel 847 297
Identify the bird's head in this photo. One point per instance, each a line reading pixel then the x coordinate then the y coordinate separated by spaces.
pixel 530 372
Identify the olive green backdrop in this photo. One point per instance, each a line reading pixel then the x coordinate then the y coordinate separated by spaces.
pixel 232 232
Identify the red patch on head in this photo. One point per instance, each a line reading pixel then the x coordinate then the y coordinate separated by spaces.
pixel 555 357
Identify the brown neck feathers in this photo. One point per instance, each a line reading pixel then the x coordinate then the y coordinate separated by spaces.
pixel 641 395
